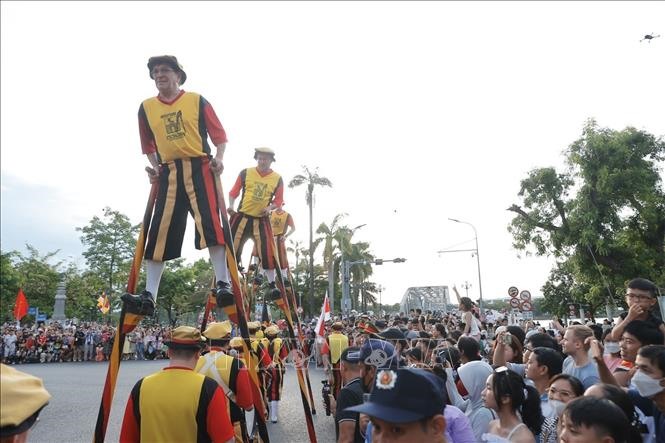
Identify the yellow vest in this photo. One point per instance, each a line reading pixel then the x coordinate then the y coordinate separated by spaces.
pixel 176 127
pixel 169 405
pixel 258 191
pixel 275 348
pixel 337 343
pixel 223 365
pixel 278 222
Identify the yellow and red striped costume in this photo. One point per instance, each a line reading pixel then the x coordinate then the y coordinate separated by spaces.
pixel 177 132
pixel 258 191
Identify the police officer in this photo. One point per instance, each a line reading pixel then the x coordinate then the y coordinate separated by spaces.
pixel 406 405
pixel 230 373
pixel 347 424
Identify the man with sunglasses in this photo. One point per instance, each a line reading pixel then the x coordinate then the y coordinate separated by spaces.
pixel 174 127
pixel 642 304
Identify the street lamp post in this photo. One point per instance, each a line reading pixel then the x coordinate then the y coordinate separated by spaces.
pixel 466 287
pixel 380 289
pixel 346 277
pixel 331 280
pixel 480 285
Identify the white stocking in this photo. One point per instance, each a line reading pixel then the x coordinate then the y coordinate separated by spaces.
pixel 218 259
pixel 153 275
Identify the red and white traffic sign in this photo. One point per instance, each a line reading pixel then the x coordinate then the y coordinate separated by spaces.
pixel 513 291
pixel 525 295
pixel 526 306
pixel 514 303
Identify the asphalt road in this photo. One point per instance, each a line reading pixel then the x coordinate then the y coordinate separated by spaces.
pixel 77 388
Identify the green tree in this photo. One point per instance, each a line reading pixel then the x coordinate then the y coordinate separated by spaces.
pixel 83 289
pixel 10 281
pixel 603 219
pixel 368 291
pixel 176 290
pixel 38 278
pixel 312 179
pixel 110 242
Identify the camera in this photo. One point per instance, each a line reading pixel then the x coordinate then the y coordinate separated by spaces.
pixel 325 393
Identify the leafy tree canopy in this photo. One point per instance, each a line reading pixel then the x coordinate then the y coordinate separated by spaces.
pixel 603 218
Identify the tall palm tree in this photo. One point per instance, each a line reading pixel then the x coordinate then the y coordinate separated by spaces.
pixel 330 235
pixel 368 292
pixel 359 272
pixel 311 178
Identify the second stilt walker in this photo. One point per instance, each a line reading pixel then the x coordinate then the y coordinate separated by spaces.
pixel 262 192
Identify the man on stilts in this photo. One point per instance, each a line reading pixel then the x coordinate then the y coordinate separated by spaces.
pixel 262 191
pixel 282 227
pixel 174 127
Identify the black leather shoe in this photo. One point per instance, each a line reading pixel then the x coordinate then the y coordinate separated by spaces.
pixel 142 304
pixel 273 292
pixel 223 294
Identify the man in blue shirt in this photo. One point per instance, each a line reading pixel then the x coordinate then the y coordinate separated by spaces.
pixel 578 364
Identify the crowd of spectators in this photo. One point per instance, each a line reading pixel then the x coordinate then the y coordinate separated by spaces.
pixel 57 342
pixel 512 380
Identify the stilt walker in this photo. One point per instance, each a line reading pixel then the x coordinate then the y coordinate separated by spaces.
pixel 174 127
pixel 278 353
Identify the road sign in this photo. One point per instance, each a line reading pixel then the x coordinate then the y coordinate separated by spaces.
pixel 41 317
pixel 525 295
pixel 513 291
pixel 526 306
pixel 514 303
pixel 571 310
pixel 32 310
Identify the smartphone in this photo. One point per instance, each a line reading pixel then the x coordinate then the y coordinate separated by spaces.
pixel 507 339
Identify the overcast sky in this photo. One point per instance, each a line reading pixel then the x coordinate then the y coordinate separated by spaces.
pixel 416 112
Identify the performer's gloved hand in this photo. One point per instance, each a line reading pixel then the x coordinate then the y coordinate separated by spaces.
pixel 216 165
pixel 153 174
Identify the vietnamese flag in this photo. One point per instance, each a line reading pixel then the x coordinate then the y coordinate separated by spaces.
pixel 21 305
